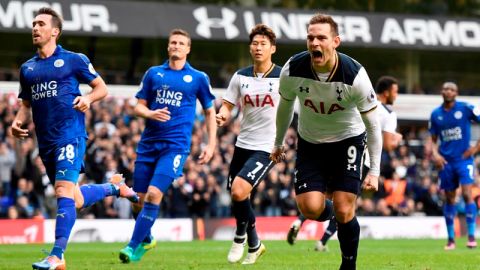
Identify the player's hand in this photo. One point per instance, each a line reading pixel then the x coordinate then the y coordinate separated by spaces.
pixel 82 103
pixel 206 155
pixel 161 115
pixel 18 131
pixel 398 137
pixel 439 161
pixel 278 154
pixel 470 152
pixel 221 119
pixel 370 182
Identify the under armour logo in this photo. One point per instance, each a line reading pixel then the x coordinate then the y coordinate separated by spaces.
pixel 251 175
pixel 351 166
pixel 160 74
pixel 306 89
pixel 339 92
pixel 225 22
pixel 244 85
pixel 271 85
pixel 304 185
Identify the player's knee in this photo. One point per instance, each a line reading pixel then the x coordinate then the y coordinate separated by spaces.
pixel 153 196
pixel 344 214
pixel 311 212
pixel 239 194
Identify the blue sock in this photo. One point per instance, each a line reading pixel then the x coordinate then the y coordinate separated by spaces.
pixel 144 223
pixel 449 212
pixel 147 238
pixel 471 217
pixel 66 216
pixel 94 193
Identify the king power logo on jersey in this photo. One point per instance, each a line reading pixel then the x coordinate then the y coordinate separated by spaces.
pixel 44 90
pixel 169 97
pixel 83 17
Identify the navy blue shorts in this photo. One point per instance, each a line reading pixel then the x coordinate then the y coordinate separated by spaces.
pixel 336 166
pixel 251 165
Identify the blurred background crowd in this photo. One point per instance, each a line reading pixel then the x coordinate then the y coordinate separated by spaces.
pixel 409 182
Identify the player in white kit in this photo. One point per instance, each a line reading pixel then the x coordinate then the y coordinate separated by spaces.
pixel 255 89
pixel 337 113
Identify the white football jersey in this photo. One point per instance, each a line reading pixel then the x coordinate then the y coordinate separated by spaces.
pixel 388 119
pixel 329 110
pixel 259 98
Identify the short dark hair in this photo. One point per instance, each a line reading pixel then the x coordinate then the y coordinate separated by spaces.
pixel 57 20
pixel 384 83
pixel 178 31
pixel 322 18
pixel 263 30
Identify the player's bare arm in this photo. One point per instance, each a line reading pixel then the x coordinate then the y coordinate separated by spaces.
pixel 374 139
pixel 224 113
pixel 207 153
pixel 438 159
pixel 472 150
pixel 24 115
pixel 98 92
pixel 161 115
pixel 284 118
pixel 391 140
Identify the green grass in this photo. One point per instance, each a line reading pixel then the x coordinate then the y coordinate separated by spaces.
pixel 373 255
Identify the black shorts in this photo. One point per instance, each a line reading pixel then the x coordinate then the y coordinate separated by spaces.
pixel 336 166
pixel 251 165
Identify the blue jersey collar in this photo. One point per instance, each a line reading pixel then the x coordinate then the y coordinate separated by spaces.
pixel 166 66
pixel 58 49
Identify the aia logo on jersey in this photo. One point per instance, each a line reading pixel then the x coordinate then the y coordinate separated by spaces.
pixel 258 101
pixel 322 107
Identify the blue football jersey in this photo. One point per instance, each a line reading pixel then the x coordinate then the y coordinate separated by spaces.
pixel 452 127
pixel 51 85
pixel 178 90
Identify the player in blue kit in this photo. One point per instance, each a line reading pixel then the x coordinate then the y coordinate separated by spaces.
pixel 167 99
pixel 451 123
pixel 49 89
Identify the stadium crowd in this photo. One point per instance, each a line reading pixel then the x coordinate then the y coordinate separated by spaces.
pixel 409 182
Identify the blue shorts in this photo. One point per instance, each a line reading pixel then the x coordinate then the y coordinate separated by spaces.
pixel 456 173
pixel 250 165
pixel 65 161
pixel 157 165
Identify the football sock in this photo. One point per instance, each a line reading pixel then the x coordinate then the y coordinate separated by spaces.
pixel 147 238
pixel 302 218
pixel 252 237
pixel 331 230
pixel 349 237
pixel 94 193
pixel 66 216
pixel 449 212
pixel 241 211
pixel 144 223
pixel 471 217
pixel 327 211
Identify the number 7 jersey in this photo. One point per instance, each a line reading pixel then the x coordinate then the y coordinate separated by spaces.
pixel 259 98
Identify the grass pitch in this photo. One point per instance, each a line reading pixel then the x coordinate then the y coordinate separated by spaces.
pixel 373 255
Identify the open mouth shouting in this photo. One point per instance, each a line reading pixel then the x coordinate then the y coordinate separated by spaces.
pixel 317 54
